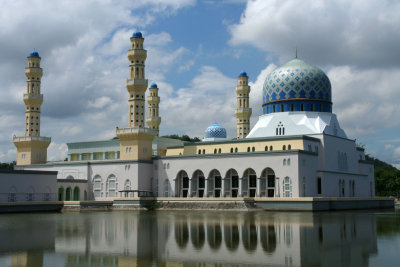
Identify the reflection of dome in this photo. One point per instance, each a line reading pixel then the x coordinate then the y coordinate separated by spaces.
pixel 243 74
pixel 297 86
pixel 153 85
pixel 215 131
pixel 34 54
pixel 137 34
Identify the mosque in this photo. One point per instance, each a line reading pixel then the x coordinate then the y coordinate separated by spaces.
pixel 296 149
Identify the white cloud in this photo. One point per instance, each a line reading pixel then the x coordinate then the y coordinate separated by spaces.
pixel 362 33
pixel 100 102
pixel 366 101
pixel 56 152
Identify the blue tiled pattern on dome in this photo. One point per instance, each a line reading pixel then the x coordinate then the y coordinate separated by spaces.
pixel 215 131
pixel 34 54
pixel 137 34
pixel 297 79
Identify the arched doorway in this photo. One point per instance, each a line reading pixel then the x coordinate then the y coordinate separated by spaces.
pixel 215 183
pixel 182 184
pixel 269 176
pixel 249 187
pixel 76 193
pixel 68 193
pixel 60 193
pixel 232 178
pixel 198 183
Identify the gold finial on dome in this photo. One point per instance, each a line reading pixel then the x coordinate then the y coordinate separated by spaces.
pixel 296 53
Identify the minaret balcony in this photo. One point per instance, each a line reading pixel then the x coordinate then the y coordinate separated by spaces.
pixel 243 111
pixel 137 82
pixel 28 96
pixel 31 138
pixel 134 130
pixel 153 119
pixel 34 70
pixel 137 54
pixel 153 99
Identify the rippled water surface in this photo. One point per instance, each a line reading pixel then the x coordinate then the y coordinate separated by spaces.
pixel 201 238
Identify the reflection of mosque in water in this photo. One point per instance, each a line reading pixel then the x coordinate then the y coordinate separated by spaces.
pixel 195 238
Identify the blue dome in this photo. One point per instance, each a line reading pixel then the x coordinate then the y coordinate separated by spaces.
pixel 137 34
pixel 34 54
pixel 215 131
pixel 297 86
pixel 153 85
pixel 243 74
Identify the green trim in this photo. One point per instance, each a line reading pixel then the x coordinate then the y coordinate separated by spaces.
pixel 77 181
pixel 250 140
pixel 28 171
pixel 241 154
pixel 86 163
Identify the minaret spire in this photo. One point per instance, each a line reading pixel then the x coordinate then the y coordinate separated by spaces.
pixel 136 140
pixel 153 118
pixel 296 53
pixel 32 148
pixel 242 112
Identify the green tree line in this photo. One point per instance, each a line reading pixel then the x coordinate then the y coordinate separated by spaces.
pixel 387 178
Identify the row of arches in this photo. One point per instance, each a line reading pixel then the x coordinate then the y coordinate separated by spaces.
pixel 229 185
pixel 249 234
pixel 28 194
pixel 70 194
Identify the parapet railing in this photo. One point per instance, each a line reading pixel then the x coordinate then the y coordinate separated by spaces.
pixel 39 96
pixel 20 197
pixel 134 130
pixel 31 138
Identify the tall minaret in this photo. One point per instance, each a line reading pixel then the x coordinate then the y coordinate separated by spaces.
pixel 153 118
pixel 135 141
pixel 32 148
pixel 242 112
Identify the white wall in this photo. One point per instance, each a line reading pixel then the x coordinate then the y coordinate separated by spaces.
pixel 19 186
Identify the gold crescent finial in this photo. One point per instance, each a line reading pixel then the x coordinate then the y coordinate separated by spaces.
pixel 296 53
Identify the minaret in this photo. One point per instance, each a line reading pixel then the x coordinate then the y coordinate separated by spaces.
pixel 135 140
pixel 242 112
pixel 153 100
pixel 32 148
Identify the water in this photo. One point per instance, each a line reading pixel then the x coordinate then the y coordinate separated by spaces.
pixel 201 238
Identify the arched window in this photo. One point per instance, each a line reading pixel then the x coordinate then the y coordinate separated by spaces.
pixel 127 186
pixel 111 186
pixel 287 187
pixel 289 147
pixel 248 149
pixel 204 151
pixel 288 162
pixel 282 107
pixel 231 149
pixel 219 150
pixel 215 151
pixel 253 149
pixel 166 188
pixel 291 107
pixel 266 148
pixel 199 151
pixel 284 162
pixel 236 149
pixel 270 148
pixel 284 147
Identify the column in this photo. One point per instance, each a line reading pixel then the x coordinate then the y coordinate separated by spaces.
pixel 277 192
pixel 174 187
pixel 80 157
pixel 240 187
pixel 103 155
pixel 69 157
pixel 206 187
pixel 258 189
pixel 222 187
pixel 91 156
pixel 190 188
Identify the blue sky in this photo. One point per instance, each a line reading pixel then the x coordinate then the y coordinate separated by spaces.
pixel 196 49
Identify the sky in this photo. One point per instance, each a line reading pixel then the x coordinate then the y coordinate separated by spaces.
pixel 196 49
